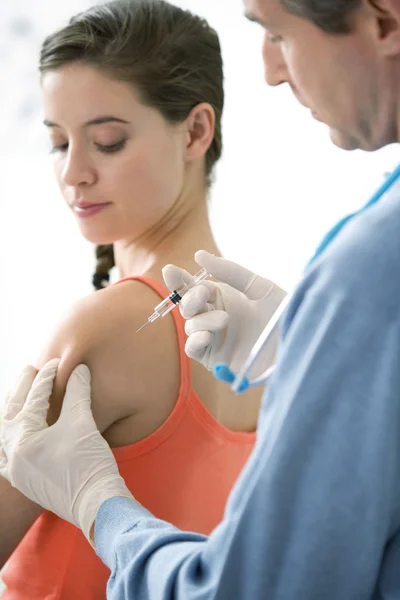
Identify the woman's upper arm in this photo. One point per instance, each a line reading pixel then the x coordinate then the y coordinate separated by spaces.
pixel 17 515
pixel 99 331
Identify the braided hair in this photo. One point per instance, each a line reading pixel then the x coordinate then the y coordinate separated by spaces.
pixel 104 263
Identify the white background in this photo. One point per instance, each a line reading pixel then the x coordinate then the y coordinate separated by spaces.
pixel 280 185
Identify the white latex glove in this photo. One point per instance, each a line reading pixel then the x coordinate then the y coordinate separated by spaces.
pixel 225 319
pixel 67 468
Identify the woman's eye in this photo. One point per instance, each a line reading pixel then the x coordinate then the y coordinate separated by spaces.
pixel 110 148
pixel 59 148
pixel 105 148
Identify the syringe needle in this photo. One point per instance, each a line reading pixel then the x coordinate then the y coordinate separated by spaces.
pixel 142 326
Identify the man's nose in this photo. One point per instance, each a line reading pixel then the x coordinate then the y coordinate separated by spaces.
pixel 275 69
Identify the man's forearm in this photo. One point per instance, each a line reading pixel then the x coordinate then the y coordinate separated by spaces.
pixel 132 543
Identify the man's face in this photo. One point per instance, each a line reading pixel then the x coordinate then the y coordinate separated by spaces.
pixel 342 78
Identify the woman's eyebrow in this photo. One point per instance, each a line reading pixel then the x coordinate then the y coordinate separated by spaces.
pixel 97 121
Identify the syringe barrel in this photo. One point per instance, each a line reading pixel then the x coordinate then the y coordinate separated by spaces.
pixel 200 276
pixel 173 299
pixel 165 307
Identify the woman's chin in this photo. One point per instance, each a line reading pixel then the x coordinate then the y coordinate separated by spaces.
pixel 97 236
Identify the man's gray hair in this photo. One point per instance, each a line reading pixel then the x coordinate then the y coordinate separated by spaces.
pixel 333 16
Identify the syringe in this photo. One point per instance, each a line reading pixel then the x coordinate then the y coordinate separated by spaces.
pixel 173 299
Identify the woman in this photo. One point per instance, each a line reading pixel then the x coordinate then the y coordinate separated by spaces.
pixel 133 99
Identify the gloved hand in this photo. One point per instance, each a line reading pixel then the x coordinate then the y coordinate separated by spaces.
pixel 67 468
pixel 225 319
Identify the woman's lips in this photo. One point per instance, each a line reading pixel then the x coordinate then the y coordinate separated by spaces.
pixel 89 210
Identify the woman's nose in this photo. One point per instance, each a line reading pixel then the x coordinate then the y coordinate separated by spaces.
pixel 77 169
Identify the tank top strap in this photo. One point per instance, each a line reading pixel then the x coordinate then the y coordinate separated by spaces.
pixel 184 360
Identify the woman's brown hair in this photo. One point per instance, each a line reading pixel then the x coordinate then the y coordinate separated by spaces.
pixel 172 57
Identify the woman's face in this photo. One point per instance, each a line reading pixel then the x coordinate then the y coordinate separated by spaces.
pixel 119 164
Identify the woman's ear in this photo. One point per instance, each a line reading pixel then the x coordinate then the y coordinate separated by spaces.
pixel 200 127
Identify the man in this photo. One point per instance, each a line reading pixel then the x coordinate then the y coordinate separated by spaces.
pixel 316 513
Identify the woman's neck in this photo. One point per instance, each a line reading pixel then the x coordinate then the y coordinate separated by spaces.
pixel 174 240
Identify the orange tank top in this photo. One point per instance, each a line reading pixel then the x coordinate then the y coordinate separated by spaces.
pixel 183 473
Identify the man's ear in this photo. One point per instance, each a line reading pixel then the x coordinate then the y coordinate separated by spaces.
pixel 387 15
pixel 200 128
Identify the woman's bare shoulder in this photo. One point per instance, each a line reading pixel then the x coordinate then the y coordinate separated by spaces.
pixel 130 372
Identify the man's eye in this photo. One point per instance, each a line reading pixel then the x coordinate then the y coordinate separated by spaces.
pixel 274 39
